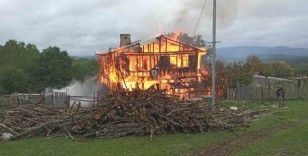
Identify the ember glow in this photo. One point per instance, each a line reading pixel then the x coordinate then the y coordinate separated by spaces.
pixel 163 63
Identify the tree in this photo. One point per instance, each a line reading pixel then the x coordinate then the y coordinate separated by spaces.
pixel 84 68
pixel 238 73
pixel 16 58
pixel 221 79
pixel 301 69
pixel 12 80
pixel 53 69
pixel 11 52
pixel 17 54
pixel 254 63
pixel 31 55
pixel 198 41
pixel 281 69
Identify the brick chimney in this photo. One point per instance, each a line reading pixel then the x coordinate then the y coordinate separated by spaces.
pixel 125 40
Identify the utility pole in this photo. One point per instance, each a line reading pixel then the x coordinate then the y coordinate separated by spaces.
pixel 214 56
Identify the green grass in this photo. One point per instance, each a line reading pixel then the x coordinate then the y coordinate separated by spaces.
pixel 290 141
pixel 162 145
pixel 296 110
pixel 293 141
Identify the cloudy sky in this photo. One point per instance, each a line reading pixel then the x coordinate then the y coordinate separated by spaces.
pixel 83 27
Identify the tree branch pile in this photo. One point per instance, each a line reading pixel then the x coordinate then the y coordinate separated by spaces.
pixel 119 114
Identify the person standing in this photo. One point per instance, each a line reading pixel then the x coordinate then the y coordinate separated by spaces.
pixel 280 94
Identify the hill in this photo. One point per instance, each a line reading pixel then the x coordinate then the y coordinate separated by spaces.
pixel 265 53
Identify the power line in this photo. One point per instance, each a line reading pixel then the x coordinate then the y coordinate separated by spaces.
pixel 201 13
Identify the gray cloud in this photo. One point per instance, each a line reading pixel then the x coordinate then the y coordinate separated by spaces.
pixel 83 26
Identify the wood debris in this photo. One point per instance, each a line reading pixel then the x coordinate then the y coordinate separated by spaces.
pixel 119 114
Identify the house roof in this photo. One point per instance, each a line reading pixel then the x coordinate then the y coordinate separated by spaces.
pixel 142 43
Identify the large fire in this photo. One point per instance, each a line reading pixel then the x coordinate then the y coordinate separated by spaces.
pixel 163 63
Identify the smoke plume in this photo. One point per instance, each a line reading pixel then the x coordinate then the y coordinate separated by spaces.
pixel 190 10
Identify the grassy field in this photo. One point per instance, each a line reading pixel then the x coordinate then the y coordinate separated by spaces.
pixel 284 132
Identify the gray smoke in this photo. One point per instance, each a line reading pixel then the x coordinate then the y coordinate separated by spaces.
pixel 189 13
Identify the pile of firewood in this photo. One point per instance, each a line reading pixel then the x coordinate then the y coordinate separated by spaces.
pixel 118 114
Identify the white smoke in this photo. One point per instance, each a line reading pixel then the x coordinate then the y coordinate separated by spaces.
pixel 81 92
pixel 88 87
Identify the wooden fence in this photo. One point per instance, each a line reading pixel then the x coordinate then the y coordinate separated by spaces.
pixel 266 91
pixel 56 99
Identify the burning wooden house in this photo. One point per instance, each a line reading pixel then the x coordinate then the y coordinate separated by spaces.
pixel 163 63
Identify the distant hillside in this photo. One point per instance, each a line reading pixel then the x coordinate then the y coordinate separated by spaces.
pixel 266 53
pixel 288 58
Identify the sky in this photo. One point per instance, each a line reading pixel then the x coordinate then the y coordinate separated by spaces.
pixel 83 27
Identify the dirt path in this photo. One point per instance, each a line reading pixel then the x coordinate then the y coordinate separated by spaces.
pixel 241 141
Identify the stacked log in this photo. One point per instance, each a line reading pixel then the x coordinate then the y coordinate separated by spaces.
pixel 119 114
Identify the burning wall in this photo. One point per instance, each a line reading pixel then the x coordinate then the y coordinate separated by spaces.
pixel 162 63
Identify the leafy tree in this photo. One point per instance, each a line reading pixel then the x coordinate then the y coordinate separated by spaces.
pixel 16 58
pixel 12 80
pixel 31 55
pixel 221 78
pixel 238 73
pixel 84 68
pixel 23 68
pixel 17 54
pixel 254 63
pixel 53 69
pixel 267 70
pixel 301 69
pixel 11 53
pixel 281 69
pixel 198 41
